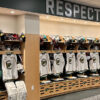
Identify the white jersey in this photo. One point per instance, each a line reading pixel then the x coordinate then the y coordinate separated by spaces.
pixel 11 90
pixel 9 67
pixel 45 67
pixel 67 38
pixel 58 64
pixel 16 91
pixel 55 37
pixel 21 90
pixel 82 64
pixel 20 68
pixel 94 62
pixel 71 62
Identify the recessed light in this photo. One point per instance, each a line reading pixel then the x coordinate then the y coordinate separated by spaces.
pixel 62 18
pixel 12 12
pixel 74 21
pixel 97 23
pixel 85 22
pixel 47 17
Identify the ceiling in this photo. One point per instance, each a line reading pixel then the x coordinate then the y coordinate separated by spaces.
pixel 93 3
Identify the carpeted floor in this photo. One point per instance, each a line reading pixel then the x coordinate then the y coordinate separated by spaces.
pixel 79 95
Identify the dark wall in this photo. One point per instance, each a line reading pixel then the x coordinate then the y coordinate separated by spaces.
pixel 39 6
pixel 26 5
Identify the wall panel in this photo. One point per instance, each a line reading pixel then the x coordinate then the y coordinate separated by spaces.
pixel 8 23
pixel 61 28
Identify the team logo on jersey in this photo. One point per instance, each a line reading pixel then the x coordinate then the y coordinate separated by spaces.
pixel 94 59
pixel 44 62
pixel 58 61
pixel 8 64
pixel 82 59
pixel 70 60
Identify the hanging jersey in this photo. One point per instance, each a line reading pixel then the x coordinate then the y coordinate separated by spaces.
pixel 20 68
pixel 82 64
pixel 21 90
pixel 71 63
pixel 58 64
pixel 94 62
pixel 55 37
pixel 9 67
pixel 45 67
pixel 11 90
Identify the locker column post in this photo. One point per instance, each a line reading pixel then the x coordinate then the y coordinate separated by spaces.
pixel 31 54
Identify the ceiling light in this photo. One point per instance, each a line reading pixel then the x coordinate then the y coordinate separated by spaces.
pixel 12 12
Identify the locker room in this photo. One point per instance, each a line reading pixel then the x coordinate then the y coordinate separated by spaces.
pixel 49 50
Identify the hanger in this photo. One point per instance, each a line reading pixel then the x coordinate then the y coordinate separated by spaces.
pixel 81 52
pixel 9 53
pixel 44 52
pixel 94 51
pixel 58 52
pixel 71 52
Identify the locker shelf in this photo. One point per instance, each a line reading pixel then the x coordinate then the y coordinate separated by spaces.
pixel 14 52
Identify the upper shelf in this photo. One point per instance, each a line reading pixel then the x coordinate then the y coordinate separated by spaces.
pixel 12 52
pixel 67 51
pixel 12 41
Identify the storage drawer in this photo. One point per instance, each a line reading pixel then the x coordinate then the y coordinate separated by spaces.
pixel 42 90
pixel 61 87
pixel 85 82
pixel 3 95
pixel 95 81
pixel 73 84
pixel 49 90
pixel 46 89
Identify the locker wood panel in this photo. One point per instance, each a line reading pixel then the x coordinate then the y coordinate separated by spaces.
pixel 31 63
pixel 70 86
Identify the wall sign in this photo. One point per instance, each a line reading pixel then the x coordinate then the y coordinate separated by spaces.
pixel 72 10
pixel 54 7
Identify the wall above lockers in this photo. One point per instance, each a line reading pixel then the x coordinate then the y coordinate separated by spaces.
pixel 12 23
pixel 19 23
pixel 8 23
pixel 76 28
